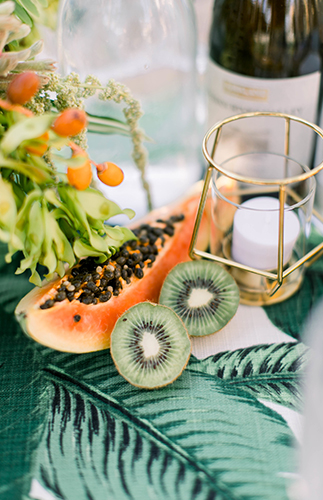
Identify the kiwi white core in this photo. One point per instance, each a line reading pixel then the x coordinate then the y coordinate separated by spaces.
pixel 149 344
pixel 203 294
pixel 199 297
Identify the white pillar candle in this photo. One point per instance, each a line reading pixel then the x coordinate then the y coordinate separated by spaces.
pixel 255 233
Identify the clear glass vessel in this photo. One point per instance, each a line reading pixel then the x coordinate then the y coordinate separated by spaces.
pixel 150 46
pixel 262 205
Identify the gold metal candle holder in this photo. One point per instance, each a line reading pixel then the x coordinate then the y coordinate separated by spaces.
pixel 260 286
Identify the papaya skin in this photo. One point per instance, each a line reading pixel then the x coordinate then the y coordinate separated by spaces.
pixel 79 328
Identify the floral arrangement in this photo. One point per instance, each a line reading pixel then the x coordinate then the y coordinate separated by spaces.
pixel 48 209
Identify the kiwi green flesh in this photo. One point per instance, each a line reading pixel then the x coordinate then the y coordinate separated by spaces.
pixel 203 294
pixel 150 345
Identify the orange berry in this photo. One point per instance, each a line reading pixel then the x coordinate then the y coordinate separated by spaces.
pixel 110 174
pixel 38 146
pixel 80 177
pixel 23 87
pixel 70 122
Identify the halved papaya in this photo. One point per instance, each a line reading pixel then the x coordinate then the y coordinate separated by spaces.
pixel 78 312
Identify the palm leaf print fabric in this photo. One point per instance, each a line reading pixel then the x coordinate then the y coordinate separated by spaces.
pixel 72 428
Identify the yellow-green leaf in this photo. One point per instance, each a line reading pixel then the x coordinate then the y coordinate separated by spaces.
pixel 8 208
pixel 30 128
pixel 98 207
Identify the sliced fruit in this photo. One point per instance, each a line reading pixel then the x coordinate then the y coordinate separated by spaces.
pixel 202 294
pixel 78 312
pixel 150 345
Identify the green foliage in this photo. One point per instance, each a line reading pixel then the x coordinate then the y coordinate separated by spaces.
pixel 50 222
pixel 268 372
pixel 61 92
pixel 291 315
pixel 75 425
pixel 124 442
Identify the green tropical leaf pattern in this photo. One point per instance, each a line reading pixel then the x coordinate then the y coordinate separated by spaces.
pixel 22 388
pixel 291 315
pixel 269 372
pixel 73 425
pixel 203 445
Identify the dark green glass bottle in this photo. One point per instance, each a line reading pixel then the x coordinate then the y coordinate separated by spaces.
pixel 266 55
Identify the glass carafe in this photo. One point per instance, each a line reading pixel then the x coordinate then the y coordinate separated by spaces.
pixel 150 46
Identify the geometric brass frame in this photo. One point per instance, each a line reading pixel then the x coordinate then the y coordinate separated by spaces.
pixel 282 186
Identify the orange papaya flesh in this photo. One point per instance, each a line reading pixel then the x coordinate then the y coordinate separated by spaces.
pixel 67 316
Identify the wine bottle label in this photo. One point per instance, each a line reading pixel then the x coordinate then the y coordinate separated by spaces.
pixel 231 94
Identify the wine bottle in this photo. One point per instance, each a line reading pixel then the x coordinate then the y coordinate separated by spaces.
pixel 266 55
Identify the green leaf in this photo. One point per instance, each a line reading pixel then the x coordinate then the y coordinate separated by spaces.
pixel 27 129
pixel 83 249
pixel 36 228
pixel 21 391
pixel 62 246
pixel 98 207
pixel 107 125
pixel 269 372
pixel 123 442
pixel 23 215
pixel 119 232
pixel 37 173
pixel 12 287
pixel 23 15
pixel 291 315
pixel 30 7
pixel 42 3
pixel 8 208
pixel 129 212
pixel 30 262
pixel 69 196
pixel 102 243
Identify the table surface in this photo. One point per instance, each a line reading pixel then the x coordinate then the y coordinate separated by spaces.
pixel 72 428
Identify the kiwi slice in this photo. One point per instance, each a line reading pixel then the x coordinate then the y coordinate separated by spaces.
pixel 150 345
pixel 203 294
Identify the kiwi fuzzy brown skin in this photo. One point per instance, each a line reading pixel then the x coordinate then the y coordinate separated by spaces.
pixel 126 336
pixel 203 294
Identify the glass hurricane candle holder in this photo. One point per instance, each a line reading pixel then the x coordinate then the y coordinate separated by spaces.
pixel 262 206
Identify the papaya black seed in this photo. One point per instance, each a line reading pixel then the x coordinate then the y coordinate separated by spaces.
pixel 169 230
pixel 47 304
pixel 139 272
pixel 152 238
pixel 109 275
pixel 144 249
pixel 125 253
pixel 91 285
pixel 86 299
pixel 117 273
pixel 121 260
pixel 60 296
